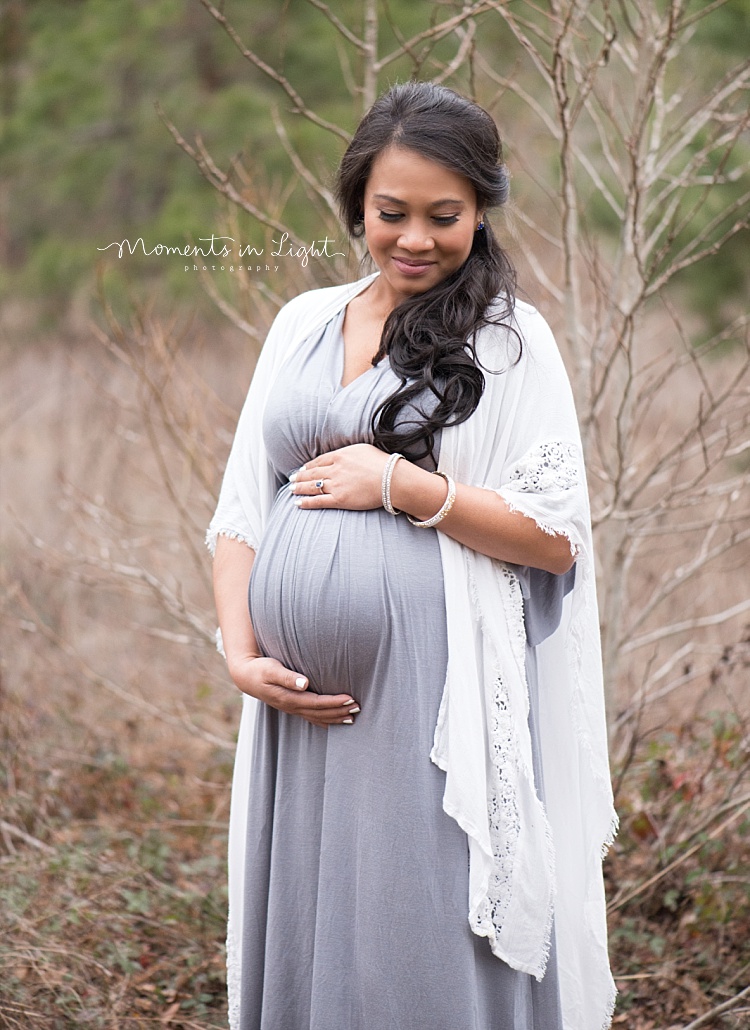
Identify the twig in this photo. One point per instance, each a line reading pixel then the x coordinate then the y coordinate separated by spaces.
pixel 435 33
pixel 345 31
pixel 33 842
pixel 467 42
pixel 725 1006
pixel 300 106
pixel 680 627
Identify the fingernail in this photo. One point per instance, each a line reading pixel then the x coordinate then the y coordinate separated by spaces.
pixel 348 722
pixel 300 682
pixel 292 477
pixel 298 501
pixel 355 710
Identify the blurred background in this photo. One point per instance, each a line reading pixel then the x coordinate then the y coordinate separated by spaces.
pixel 130 131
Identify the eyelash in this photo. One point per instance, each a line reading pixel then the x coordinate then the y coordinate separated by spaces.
pixel 391 216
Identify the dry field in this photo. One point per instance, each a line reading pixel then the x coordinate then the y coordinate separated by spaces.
pixel 117 718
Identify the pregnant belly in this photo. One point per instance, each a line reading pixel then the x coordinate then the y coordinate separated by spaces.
pixel 332 592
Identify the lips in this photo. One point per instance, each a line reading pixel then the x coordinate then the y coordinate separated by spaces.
pixel 410 266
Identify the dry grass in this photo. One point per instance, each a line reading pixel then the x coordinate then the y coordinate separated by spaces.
pixel 112 905
pixel 679 877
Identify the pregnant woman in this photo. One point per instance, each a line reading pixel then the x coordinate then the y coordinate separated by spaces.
pixel 404 582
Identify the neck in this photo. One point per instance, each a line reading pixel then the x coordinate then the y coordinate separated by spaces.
pixel 381 299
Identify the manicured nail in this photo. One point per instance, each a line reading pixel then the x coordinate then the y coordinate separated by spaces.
pixel 292 477
pixel 353 711
pixel 298 501
pixel 348 722
pixel 300 682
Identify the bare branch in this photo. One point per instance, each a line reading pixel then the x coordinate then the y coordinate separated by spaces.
pixel 700 622
pixel 693 125
pixel 514 85
pixel 543 66
pixel 216 177
pixel 229 311
pixel 466 42
pixel 693 253
pixel 33 842
pixel 433 34
pixel 371 68
pixel 724 1006
pixel 345 31
pixel 299 105
pixel 316 188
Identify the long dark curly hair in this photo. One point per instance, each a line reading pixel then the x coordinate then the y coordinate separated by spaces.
pixel 430 337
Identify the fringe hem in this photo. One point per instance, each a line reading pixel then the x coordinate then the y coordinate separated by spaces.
pixel 212 536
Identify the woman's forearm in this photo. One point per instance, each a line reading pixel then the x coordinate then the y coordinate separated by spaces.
pixel 233 563
pixel 480 519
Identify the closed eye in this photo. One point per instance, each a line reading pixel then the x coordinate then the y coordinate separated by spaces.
pixel 395 216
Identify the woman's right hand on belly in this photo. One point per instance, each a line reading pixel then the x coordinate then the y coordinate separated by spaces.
pixel 269 681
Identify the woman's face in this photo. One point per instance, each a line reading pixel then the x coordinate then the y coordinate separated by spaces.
pixel 420 219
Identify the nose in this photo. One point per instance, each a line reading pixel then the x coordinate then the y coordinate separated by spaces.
pixel 415 236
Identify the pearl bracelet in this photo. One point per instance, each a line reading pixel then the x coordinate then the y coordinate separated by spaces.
pixel 447 505
pixel 385 490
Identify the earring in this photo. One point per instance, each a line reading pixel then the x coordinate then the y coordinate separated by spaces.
pixel 480 226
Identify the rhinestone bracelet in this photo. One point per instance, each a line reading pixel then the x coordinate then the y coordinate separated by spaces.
pixel 447 505
pixel 385 490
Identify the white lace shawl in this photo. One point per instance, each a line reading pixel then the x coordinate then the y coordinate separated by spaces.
pixel 528 861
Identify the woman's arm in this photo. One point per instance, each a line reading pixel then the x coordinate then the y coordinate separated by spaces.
pixel 479 518
pixel 261 677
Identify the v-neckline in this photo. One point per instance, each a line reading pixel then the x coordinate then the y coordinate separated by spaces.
pixel 340 386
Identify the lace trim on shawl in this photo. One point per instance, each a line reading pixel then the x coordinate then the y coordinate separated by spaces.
pixel 548 466
pixel 502 806
pixel 504 822
pixel 513 599
pixel 502 809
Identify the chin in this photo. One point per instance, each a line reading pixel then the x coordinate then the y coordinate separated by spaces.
pixel 412 286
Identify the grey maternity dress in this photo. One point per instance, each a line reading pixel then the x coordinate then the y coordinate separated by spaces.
pixel 356 881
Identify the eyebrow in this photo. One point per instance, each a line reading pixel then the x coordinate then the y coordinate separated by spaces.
pixel 447 202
